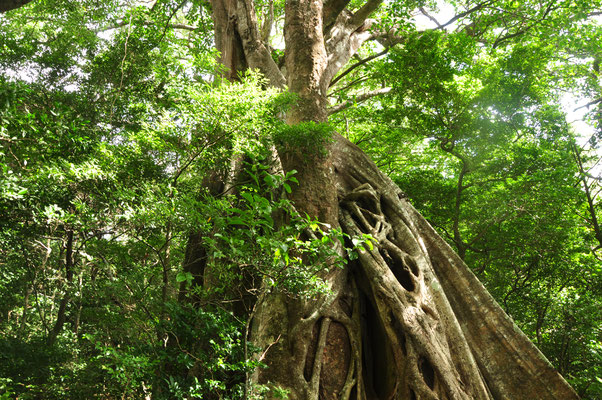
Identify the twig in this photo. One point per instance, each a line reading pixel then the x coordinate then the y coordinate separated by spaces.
pixel 588 105
pixel 359 63
pixel 429 16
pixel 358 99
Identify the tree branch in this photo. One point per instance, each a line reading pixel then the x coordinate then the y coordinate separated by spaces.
pixel 358 99
pixel 524 30
pixel 361 15
pixel 465 13
pixel 256 52
pixel 388 39
pixel 354 66
pixel 331 11
pixel 343 44
pixel 121 24
pixel 7 5
pixel 429 16
pixel 351 84
pixel 588 105
pixel 266 29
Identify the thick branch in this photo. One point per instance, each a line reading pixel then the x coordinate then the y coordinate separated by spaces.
pixel 266 29
pixel 331 11
pixel 363 13
pixel 7 5
pixel 343 45
pixel 256 52
pixel 358 99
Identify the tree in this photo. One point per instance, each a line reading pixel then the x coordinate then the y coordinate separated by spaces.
pixel 438 332
pixel 406 318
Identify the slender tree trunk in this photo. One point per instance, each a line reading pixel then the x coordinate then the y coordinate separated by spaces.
pixel 62 311
pixel 28 289
pixel 78 310
pixel 595 225
pixel 458 241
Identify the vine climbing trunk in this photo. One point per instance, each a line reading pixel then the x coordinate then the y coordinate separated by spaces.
pixel 408 320
pixel 448 337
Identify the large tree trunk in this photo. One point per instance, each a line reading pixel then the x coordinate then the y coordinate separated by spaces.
pixel 408 320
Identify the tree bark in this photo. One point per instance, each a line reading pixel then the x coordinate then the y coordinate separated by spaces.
pixel 510 365
pixel 409 320
pixel 7 5
pixel 227 40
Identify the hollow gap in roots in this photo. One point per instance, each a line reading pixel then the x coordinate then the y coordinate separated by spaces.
pixel 380 373
pixel 403 276
pixel 360 225
pixel 429 311
pixel 427 371
pixel 346 304
pixel 367 204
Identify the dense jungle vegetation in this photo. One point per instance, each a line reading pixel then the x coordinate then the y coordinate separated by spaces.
pixel 116 115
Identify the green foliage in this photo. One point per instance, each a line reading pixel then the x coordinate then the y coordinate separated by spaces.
pixel 307 137
pixel 288 255
pixel 127 191
pixel 109 127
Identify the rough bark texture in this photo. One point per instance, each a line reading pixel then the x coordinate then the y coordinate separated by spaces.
pixel 306 59
pixel 227 40
pixel 456 336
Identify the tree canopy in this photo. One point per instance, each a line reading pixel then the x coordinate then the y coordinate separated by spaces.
pixel 116 115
